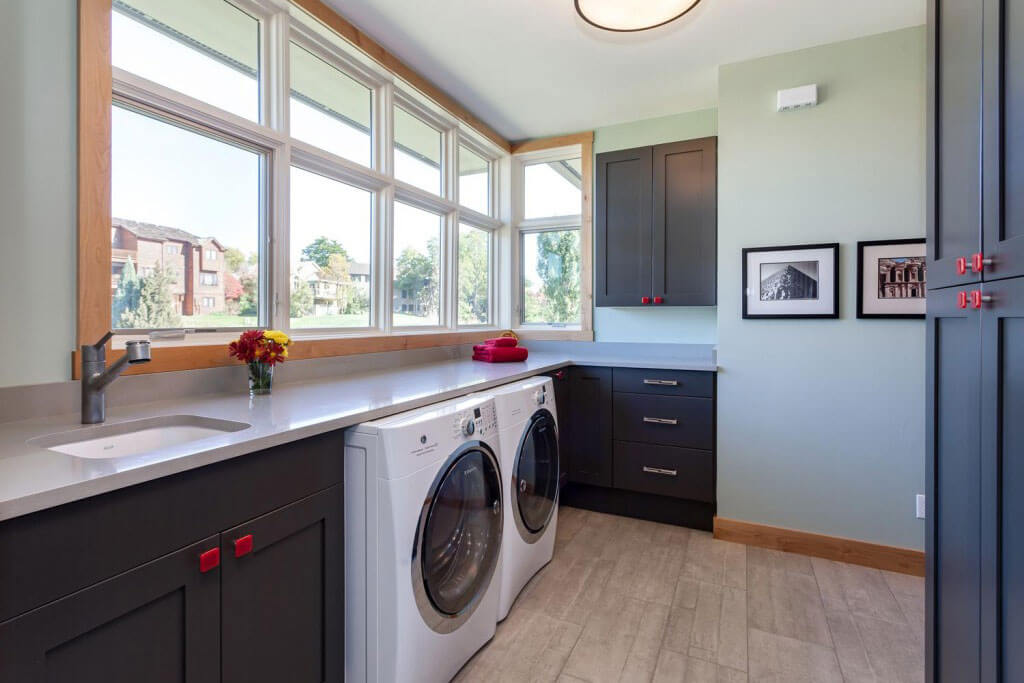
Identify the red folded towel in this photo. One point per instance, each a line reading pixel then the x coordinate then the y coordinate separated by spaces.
pixel 501 341
pixel 501 354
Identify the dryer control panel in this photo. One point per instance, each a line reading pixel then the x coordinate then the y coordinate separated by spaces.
pixel 478 422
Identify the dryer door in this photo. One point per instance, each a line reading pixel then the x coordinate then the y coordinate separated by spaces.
pixel 458 538
pixel 535 476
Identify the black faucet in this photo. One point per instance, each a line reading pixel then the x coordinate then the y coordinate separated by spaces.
pixel 96 376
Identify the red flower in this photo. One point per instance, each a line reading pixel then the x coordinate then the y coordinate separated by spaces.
pixel 252 346
pixel 248 347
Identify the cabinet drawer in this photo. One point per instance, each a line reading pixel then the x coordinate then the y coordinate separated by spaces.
pixel 665 470
pixel 666 382
pixel 668 420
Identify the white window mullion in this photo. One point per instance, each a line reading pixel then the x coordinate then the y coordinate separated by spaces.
pixel 450 271
pixel 275 86
pixel 384 130
pixel 381 276
pixel 279 245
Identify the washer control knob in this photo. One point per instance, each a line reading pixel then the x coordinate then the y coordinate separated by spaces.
pixel 540 397
pixel 467 426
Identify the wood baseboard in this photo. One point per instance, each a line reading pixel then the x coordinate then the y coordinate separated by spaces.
pixel 890 558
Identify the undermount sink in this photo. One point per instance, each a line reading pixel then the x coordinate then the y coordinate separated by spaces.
pixel 135 437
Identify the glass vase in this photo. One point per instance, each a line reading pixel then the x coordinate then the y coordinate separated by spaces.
pixel 261 378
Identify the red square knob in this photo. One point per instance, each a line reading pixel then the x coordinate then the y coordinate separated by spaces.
pixel 243 545
pixel 659 299
pixel 961 265
pixel 961 299
pixel 645 299
pixel 209 560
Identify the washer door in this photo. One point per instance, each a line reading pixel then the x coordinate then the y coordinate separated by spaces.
pixel 535 476
pixel 458 538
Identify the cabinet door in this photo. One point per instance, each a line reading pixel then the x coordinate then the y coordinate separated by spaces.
pixel 157 622
pixel 1003 480
pixel 281 603
pixel 590 418
pixel 623 223
pixel 954 159
pixel 685 223
pixel 954 489
pixel 1004 139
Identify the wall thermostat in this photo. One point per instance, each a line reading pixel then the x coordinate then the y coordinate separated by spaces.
pixel 797 98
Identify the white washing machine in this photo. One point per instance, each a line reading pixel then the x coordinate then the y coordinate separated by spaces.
pixel 423 533
pixel 529 464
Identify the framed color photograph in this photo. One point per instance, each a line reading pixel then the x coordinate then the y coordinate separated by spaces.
pixel 791 282
pixel 891 279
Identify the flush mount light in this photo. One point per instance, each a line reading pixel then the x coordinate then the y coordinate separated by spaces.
pixel 625 16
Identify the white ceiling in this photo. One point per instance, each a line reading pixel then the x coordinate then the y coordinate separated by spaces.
pixel 532 67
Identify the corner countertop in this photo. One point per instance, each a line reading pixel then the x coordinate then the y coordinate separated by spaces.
pixel 33 478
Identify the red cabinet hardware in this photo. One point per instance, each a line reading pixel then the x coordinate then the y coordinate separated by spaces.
pixel 977 299
pixel 209 560
pixel 961 299
pixel 659 299
pixel 961 265
pixel 978 262
pixel 243 545
pixel 645 299
pixel 560 374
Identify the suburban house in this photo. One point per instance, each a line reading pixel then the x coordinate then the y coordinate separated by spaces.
pixel 328 293
pixel 195 265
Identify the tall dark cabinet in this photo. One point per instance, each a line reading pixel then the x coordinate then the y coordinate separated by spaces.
pixel 975 440
pixel 656 225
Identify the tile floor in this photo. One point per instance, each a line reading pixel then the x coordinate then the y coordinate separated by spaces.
pixel 628 600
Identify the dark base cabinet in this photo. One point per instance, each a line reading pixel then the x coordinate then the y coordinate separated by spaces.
pixel 643 444
pixel 230 572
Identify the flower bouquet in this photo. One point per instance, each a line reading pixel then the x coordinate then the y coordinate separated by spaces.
pixel 261 350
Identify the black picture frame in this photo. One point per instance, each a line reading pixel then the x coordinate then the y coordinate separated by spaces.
pixel 860 280
pixel 834 246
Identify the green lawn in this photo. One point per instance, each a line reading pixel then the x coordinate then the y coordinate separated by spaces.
pixel 309 322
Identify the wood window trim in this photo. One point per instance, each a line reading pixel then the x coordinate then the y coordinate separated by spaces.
pixel 95 102
pixel 585 331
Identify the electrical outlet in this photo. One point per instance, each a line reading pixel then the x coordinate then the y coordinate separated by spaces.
pixel 920 506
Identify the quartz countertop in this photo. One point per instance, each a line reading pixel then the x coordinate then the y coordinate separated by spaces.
pixel 34 478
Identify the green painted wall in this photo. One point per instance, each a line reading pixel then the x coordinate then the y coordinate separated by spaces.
pixel 684 325
pixel 38 56
pixel 821 422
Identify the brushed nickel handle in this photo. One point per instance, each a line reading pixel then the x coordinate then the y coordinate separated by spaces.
pixel 662 382
pixel 660 470
pixel 661 420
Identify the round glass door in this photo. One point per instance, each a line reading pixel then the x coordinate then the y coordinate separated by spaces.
pixel 535 476
pixel 460 536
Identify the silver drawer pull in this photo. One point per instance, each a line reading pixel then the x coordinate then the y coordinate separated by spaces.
pixel 660 470
pixel 662 382
pixel 661 420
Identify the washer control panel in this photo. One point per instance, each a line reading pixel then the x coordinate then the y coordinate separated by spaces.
pixel 477 422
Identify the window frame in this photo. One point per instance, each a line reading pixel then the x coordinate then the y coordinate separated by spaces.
pixel 314 27
pixel 541 151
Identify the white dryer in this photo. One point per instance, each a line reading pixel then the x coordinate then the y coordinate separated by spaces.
pixel 423 531
pixel 529 464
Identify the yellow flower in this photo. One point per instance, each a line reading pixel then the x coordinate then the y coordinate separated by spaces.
pixel 279 337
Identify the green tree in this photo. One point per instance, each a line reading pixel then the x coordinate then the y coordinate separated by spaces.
pixel 302 298
pixel 558 265
pixel 337 273
pixel 248 303
pixel 473 273
pixel 234 258
pixel 155 309
pixel 126 296
pixel 320 250
pixel 416 273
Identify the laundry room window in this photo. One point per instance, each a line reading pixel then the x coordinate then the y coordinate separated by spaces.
pixel 552 259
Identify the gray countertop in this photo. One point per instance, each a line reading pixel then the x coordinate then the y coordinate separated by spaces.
pixel 33 478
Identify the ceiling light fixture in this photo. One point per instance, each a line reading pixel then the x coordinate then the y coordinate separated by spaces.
pixel 626 16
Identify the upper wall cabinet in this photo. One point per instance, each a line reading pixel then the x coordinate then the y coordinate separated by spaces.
pixel 976 162
pixel 656 218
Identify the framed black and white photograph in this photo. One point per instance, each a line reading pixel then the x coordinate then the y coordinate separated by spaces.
pixel 799 281
pixel 891 279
